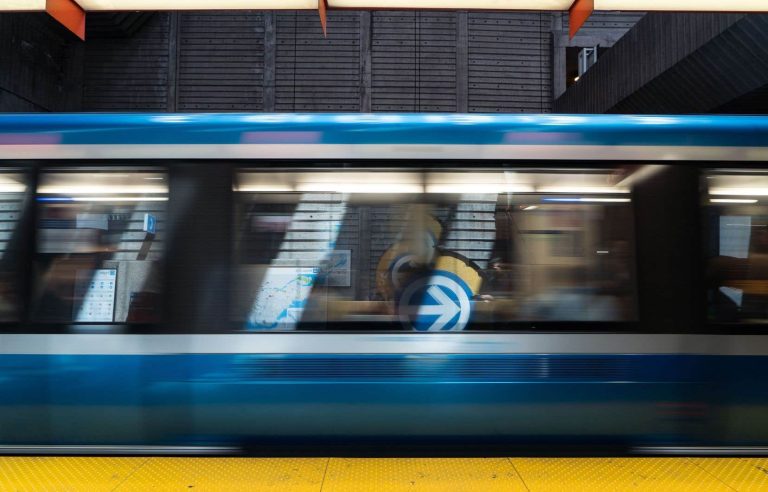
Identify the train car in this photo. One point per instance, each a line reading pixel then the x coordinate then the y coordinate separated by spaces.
pixel 200 283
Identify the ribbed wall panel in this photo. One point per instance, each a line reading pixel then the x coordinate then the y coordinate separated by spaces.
pixel 510 62
pixel 221 61
pixel 314 73
pixel 129 74
pixel 413 59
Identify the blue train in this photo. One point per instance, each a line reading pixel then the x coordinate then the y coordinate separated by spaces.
pixel 199 283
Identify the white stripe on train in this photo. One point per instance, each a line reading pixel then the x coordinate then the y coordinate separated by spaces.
pixel 384 151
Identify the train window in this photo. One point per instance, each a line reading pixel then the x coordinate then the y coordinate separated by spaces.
pixel 736 224
pixel 431 251
pixel 99 246
pixel 13 197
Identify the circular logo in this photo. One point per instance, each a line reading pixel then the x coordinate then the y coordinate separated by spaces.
pixel 437 302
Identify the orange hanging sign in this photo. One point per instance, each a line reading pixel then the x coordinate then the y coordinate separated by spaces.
pixel 322 8
pixel 578 14
pixel 69 14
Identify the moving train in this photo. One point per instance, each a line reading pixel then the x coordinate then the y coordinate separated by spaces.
pixel 227 283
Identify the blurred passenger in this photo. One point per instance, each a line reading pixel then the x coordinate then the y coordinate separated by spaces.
pixel 571 298
pixel 738 287
pixel 8 297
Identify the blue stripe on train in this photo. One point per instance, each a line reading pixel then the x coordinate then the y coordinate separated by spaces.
pixel 737 131
pixel 153 379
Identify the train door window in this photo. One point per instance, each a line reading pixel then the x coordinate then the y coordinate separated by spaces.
pixel 431 251
pixel 100 240
pixel 14 193
pixel 736 225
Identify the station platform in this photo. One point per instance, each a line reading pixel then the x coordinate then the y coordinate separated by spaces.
pixel 108 474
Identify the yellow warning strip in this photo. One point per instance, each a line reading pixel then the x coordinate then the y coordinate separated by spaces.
pixel 74 474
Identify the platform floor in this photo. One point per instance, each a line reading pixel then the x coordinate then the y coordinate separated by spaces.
pixel 39 474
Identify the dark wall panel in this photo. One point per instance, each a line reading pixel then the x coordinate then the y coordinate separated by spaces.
pixel 221 61
pixel 313 73
pixel 733 64
pixel 40 64
pixel 413 60
pixel 510 62
pixel 451 61
pixel 129 73
pixel 658 42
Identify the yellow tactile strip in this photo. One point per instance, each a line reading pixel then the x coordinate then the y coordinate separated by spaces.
pixel 72 474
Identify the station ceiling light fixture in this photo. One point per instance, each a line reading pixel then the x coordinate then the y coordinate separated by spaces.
pixel 71 13
pixel 683 5
pixel 453 4
pixel 114 5
pixel 22 5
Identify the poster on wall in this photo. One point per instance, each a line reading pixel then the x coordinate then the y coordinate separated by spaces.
pixel 336 270
pixel 281 298
pixel 96 291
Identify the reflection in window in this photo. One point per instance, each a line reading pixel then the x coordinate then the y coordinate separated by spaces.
pixel 431 251
pixel 99 243
pixel 737 245
pixel 13 195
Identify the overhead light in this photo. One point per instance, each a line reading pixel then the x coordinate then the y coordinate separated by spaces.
pixel 264 188
pixel 454 4
pixel 478 188
pixel 393 188
pixel 739 191
pixel 733 200
pixel 12 188
pixel 119 199
pixel 587 200
pixel 99 190
pixel 683 5
pixel 22 5
pixel 582 189
pixel 556 5
pixel 530 207
pixel 92 5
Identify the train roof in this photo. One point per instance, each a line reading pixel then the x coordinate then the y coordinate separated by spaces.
pixel 383 135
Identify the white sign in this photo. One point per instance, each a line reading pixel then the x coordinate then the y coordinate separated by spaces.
pixel 150 224
pixel 96 289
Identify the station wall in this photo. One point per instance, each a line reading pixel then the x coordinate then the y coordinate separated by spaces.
pixel 40 65
pixel 370 61
pixel 407 61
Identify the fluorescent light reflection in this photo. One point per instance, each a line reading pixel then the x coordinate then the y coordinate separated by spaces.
pixel 582 189
pixel 733 200
pixel 119 199
pixel 100 190
pixel 430 182
pixel 587 200
pixel 12 188
pixel 739 191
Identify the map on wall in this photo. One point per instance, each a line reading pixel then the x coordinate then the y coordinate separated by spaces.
pixel 336 270
pixel 281 298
